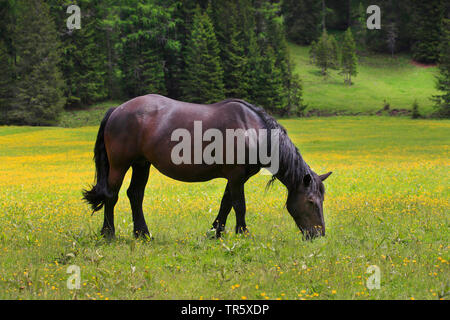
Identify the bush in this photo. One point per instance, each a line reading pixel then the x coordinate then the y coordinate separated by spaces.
pixel 415 110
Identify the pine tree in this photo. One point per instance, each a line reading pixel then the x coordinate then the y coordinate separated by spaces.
pixel 110 31
pixel 148 36
pixel 335 54
pixel 87 59
pixel 325 53
pixel 415 110
pixel 443 78
pixel 294 89
pixel 399 13
pixel 203 81
pixel 231 36
pixel 313 52
pixel 392 35
pixel 252 70
pixel 361 27
pixel 153 71
pixel 427 29
pixel 269 91
pixel 275 87
pixel 303 20
pixel 6 82
pixel 83 53
pixel 7 58
pixel 349 58
pixel 38 98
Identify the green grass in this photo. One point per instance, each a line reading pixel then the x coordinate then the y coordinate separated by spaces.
pixel 386 205
pixel 91 116
pixel 381 78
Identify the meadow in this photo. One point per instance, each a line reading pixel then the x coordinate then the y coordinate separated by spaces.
pixel 386 205
pixel 381 79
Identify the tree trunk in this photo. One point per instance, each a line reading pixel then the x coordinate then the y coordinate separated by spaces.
pixel 324 13
pixel 110 71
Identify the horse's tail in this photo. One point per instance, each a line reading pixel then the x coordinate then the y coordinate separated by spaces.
pixel 97 195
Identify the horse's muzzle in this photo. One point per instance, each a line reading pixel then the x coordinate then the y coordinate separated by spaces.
pixel 314 232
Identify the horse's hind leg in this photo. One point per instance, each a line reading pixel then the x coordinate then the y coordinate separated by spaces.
pixel 136 195
pixel 115 179
pixel 225 208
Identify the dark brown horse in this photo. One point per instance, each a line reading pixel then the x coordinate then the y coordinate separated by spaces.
pixel 139 134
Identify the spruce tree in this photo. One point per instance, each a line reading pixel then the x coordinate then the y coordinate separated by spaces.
pixel 313 52
pixel 110 31
pixel 148 36
pixel 443 78
pixel 392 11
pixel 252 70
pixel 427 29
pixel 230 35
pixel 153 71
pixel 294 92
pixel 324 56
pixel 392 35
pixel 203 79
pixel 335 54
pixel 8 12
pixel 349 58
pixel 38 96
pixel 269 91
pixel 6 82
pixel 183 15
pixel 286 87
pixel 361 26
pixel 303 20
pixel 83 60
pixel 415 110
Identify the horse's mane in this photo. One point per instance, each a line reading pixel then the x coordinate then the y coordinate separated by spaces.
pixel 292 167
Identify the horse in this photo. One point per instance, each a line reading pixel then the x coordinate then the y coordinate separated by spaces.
pixel 140 134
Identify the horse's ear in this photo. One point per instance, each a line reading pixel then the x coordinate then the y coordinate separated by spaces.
pixel 307 180
pixel 325 176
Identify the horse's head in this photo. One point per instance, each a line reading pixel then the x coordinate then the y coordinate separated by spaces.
pixel 305 204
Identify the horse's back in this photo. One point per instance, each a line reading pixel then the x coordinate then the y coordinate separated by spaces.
pixel 168 114
pixel 142 128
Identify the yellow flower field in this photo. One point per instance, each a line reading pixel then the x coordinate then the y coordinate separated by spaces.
pixel 387 205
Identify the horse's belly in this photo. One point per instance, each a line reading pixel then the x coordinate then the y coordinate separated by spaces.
pixel 190 173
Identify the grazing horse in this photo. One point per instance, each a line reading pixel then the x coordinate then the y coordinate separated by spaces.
pixel 140 133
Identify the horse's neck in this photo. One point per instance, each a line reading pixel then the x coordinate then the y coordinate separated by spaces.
pixel 290 173
pixel 286 174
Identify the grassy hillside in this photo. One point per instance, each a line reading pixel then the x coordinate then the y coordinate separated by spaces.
pixel 380 78
pixel 386 205
pixel 87 117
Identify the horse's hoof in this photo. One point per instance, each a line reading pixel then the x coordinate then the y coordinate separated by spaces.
pixel 108 234
pixel 144 235
pixel 243 231
pixel 211 234
pixel 148 237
